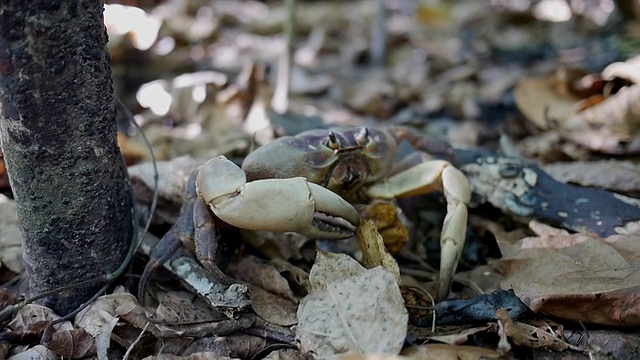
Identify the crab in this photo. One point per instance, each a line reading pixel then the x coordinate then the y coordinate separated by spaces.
pixel 307 183
pixel 219 190
pixel 360 165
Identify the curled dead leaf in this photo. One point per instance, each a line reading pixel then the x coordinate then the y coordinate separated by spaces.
pixel 373 250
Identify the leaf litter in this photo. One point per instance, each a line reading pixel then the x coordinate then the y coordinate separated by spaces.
pixel 498 78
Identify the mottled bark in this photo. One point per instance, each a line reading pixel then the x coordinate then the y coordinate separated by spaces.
pixel 57 122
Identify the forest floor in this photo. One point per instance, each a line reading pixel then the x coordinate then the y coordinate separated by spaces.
pixel 536 102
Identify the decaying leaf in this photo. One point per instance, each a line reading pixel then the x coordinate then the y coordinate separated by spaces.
pixel 272 308
pixel 450 352
pixel 271 296
pixel 33 314
pixel 546 99
pixel 615 175
pixel 181 307
pixel 38 352
pixel 534 336
pixel 608 124
pixel 610 127
pixel 172 177
pixel 72 344
pixel 264 275
pixel 579 277
pixel 461 337
pixel 350 309
pixel 374 253
pixel 235 346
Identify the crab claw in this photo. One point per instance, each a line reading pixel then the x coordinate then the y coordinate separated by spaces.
pixel 274 204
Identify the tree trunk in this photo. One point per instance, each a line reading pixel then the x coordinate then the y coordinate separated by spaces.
pixel 58 128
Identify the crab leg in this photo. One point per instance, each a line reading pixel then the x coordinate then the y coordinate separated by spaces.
pixel 425 178
pixel 179 235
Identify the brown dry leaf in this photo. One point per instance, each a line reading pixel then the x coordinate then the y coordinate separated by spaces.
pixel 621 176
pixel 38 352
pixel 72 344
pixel 236 345
pixel 4 349
pixel 276 245
pixel 578 277
pixel 196 356
pixel 181 307
pixel 374 253
pixel 372 357
pixel 294 275
pixel 271 297
pixel 10 237
pixel 172 177
pixel 264 275
pixel 124 307
pixel 273 308
pixel 351 309
pixel 544 336
pixel 543 99
pixel 100 317
pixel 32 314
pixel 6 298
pixel 286 354
pixel 450 352
pixel 611 126
pixel 102 311
pixel 463 336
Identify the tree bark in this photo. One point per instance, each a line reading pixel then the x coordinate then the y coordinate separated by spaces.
pixel 58 132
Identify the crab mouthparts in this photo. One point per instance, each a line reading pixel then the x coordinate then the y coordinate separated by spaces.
pixel 339 228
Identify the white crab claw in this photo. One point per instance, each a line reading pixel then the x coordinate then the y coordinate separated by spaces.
pixel 274 204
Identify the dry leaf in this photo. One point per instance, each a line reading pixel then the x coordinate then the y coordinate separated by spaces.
pixel 622 176
pixel 103 338
pixel 181 307
pixel 577 277
pixel 611 126
pixel 351 309
pixel 73 344
pixel 276 245
pixel 450 352
pixel 545 99
pixel 38 352
pixel 531 336
pixel 273 308
pixel 461 337
pixel 196 356
pixel 235 346
pixel 32 314
pixel 102 311
pixel 172 177
pixel 374 253
pixel 264 275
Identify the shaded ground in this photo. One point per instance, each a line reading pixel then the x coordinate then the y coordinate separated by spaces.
pixel 519 89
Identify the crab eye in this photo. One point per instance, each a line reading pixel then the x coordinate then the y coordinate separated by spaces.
pixel 332 142
pixel 362 137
